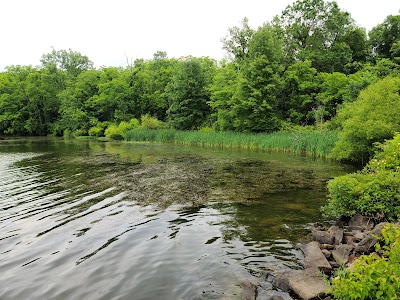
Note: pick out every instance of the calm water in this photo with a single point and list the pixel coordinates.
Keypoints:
(82, 220)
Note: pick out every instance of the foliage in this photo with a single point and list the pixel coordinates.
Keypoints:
(373, 277)
(300, 69)
(384, 37)
(255, 100)
(70, 61)
(189, 94)
(321, 32)
(373, 192)
(117, 132)
(372, 118)
(148, 122)
(236, 43)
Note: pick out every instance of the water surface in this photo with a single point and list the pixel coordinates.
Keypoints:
(89, 220)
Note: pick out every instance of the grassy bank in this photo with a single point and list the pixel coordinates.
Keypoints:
(315, 143)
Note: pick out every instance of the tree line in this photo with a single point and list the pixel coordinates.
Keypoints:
(299, 69)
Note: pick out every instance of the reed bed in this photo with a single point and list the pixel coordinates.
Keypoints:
(314, 143)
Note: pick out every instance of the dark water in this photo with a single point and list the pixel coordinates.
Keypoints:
(82, 220)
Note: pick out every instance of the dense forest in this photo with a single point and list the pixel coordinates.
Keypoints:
(307, 67)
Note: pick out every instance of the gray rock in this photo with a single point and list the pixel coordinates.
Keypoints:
(276, 297)
(337, 234)
(249, 291)
(323, 237)
(370, 240)
(361, 223)
(341, 253)
(280, 296)
(281, 280)
(314, 258)
(327, 253)
(308, 284)
(349, 239)
(359, 235)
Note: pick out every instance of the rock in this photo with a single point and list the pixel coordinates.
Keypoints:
(280, 296)
(308, 284)
(341, 253)
(337, 234)
(351, 261)
(314, 258)
(334, 264)
(359, 236)
(370, 240)
(348, 239)
(323, 237)
(326, 253)
(249, 291)
(281, 280)
(326, 246)
(361, 223)
(276, 297)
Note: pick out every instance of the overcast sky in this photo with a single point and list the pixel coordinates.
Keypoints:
(109, 31)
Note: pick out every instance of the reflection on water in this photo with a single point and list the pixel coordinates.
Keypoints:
(82, 220)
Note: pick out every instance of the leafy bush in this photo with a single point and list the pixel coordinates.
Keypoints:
(373, 277)
(373, 117)
(373, 192)
(149, 122)
(99, 129)
(117, 132)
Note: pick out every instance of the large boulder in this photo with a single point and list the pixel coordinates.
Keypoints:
(308, 284)
(365, 246)
(281, 280)
(323, 237)
(341, 253)
(314, 258)
(337, 234)
(359, 222)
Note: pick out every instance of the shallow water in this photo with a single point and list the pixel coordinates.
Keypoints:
(88, 220)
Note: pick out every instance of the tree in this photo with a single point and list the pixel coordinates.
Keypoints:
(259, 81)
(384, 36)
(373, 117)
(318, 31)
(237, 41)
(75, 113)
(14, 100)
(223, 88)
(70, 61)
(297, 97)
(188, 95)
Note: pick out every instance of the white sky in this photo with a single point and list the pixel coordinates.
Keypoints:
(109, 31)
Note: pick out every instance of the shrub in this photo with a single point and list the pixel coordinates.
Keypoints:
(373, 277)
(99, 129)
(373, 117)
(149, 122)
(373, 192)
(117, 132)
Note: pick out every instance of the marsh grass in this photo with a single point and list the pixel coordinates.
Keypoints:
(314, 143)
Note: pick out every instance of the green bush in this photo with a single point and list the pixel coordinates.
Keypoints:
(117, 132)
(373, 117)
(373, 277)
(99, 129)
(373, 192)
(149, 122)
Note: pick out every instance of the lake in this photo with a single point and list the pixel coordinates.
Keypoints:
(92, 220)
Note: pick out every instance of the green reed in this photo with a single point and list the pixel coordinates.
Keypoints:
(315, 143)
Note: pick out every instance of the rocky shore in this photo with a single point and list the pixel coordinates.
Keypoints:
(332, 247)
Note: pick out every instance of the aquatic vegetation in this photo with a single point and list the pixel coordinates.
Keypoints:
(314, 143)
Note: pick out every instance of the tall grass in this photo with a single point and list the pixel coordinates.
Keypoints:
(314, 143)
